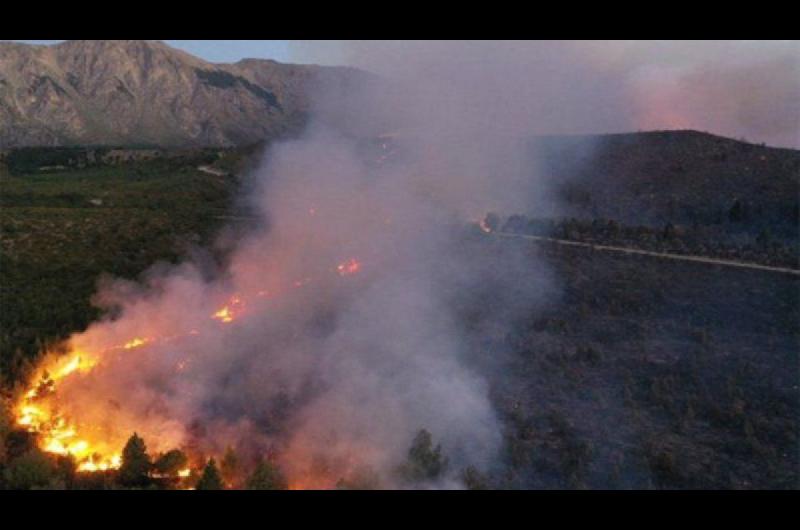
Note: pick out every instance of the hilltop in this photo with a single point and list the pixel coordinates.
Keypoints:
(134, 92)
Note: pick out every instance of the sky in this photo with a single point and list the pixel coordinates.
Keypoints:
(225, 51)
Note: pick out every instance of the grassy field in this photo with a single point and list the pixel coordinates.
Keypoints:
(59, 230)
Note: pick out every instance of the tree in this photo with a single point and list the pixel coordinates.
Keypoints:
(474, 479)
(171, 462)
(266, 476)
(30, 470)
(211, 479)
(135, 468)
(229, 467)
(424, 462)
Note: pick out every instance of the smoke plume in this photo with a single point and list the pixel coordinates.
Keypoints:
(747, 89)
(335, 329)
(332, 334)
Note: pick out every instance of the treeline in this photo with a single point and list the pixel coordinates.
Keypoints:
(28, 160)
(24, 466)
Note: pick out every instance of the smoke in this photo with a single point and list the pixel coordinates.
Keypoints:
(335, 330)
(333, 334)
(747, 89)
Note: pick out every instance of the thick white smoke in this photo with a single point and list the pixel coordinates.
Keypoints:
(747, 89)
(323, 363)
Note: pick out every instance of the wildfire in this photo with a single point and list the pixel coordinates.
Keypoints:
(230, 311)
(135, 343)
(350, 266)
(90, 465)
(37, 409)
(36, 413)
(76, 362)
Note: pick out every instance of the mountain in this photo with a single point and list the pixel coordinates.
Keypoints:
(133, 92)
(679, 177)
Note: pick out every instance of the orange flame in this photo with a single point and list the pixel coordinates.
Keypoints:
(135, 343)
(230, 311)
(37, 408)
(350, 266)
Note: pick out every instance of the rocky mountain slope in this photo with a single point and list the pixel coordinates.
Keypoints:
(145, 92)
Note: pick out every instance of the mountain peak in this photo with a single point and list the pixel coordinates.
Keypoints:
(144, 92)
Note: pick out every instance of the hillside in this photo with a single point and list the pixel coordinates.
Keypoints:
(678, 177)
(679, 192)
(637, 373)
(147, 93)
(643, 374)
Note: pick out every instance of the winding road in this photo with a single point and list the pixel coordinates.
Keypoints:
(601, 248)
(211, 171)
(664, 255)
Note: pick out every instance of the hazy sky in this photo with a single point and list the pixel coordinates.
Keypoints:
(225, 51)
(748, 89)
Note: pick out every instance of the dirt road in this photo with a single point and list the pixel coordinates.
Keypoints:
(664, 255)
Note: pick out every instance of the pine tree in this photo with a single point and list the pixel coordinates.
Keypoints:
(211, 479)
(267, 476)
(135, 468)
(474, 479)
(171, 462)
(424, 461)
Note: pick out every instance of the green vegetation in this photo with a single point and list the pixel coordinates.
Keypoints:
(136, 465)
(425, 462)
(211, 478)
(171, 462)
(60, 231)
(266, 476)
(32, 470)
(474, 479)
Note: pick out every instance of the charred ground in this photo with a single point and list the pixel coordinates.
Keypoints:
(648, 374)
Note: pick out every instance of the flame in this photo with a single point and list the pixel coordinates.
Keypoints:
(229, 312)
(37, 410)
(135, 343)
(224, 315)
(101, 465)
(77, 361)
(348, 267)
